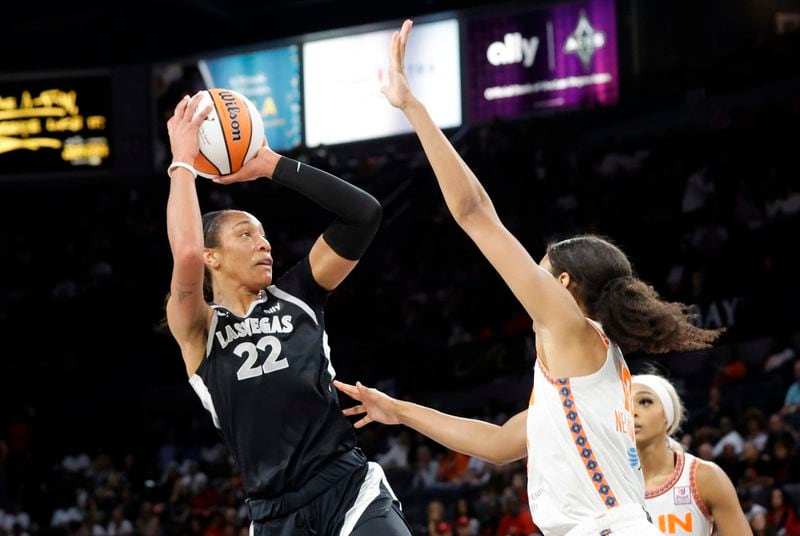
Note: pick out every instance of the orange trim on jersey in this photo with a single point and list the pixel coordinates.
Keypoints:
(527, 441)
(582, 444)
(528, 457)
(547, 376)
(671, 481)
(696, 492)
(599, 332)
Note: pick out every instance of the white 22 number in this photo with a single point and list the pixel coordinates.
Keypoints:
(272, 364)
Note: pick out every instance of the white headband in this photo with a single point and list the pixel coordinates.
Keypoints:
(655, 384)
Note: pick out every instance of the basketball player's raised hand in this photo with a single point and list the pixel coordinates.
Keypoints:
(183, 129)
(261, 165)
(398, 92)
(377, 406)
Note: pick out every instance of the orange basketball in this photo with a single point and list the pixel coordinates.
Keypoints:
(231, 134)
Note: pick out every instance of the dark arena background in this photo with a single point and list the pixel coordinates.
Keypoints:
(671, 127)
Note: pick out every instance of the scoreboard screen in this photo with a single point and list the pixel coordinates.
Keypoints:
(54, 124)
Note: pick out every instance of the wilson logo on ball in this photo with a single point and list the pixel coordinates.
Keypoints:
(233, 113)
(231, 135)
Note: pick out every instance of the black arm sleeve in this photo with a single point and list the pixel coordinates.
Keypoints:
(358, 213)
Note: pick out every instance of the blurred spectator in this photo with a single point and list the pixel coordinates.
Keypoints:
(791, 402)
(478, 472)
(778, 430)
(781, 354)
(615, 162)
(204, 499)
(118, 525)
(466, 523)
(783, 464)
(785, 206)
(216, 525)
(759, 525)
(706, 451)
(697, 192)
(735, 368)
(754, 428)
(729, 462)
(730, 437)
(705, 420)
(76, 463)
(397, 455)
(426, 468)
(147, 523)
(453, 467)
(519, 485)
(463, 527)
(62, 517)
(488, 509)
(750, 508)
(15, 519)
(746, 213)
(754, 469)
(782, 516)
(443, 528)
(435, 517)
(516, 521)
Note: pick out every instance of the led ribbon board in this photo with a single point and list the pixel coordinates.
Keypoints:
(54, 125)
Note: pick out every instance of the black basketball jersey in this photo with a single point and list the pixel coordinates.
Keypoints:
(266, 381)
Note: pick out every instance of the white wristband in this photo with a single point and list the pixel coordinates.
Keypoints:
(184, 165)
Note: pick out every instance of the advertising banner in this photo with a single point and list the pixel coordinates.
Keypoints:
(269, 78)
(558, 56)
(343, 76)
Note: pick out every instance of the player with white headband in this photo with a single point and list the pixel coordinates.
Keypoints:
(685, 495)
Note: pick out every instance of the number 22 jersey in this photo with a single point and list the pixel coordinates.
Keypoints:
(266, 382)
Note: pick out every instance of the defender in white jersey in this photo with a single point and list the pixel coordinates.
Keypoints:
(685, 495)
(585, 477)
(589, 462)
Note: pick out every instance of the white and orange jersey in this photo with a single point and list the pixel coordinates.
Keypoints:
(676, 506)
(582, 458)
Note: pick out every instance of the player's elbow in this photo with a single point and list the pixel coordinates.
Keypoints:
(188, 256)
(371, 211)
(466, 209)
(500, 452)
(473, 209)
(498, 459)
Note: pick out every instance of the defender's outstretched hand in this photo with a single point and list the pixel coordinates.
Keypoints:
(398, 92)
(378, 406)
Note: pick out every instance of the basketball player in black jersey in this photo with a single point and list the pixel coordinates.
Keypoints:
(258, 355)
